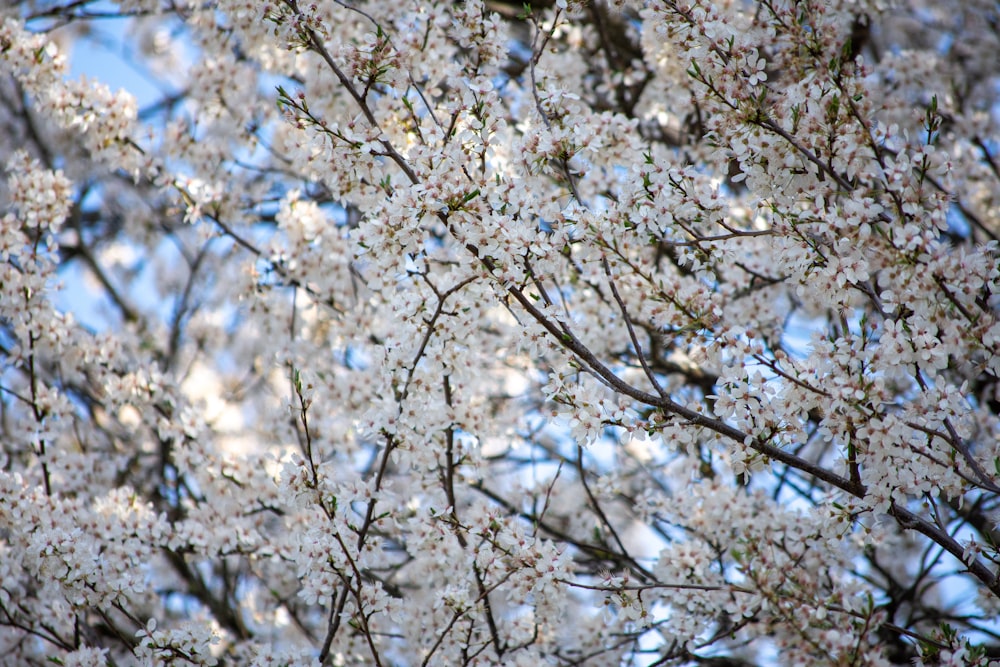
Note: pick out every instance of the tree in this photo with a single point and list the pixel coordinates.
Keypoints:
(413, 333)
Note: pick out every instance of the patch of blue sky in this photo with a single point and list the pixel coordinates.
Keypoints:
(798, 333)
(101, 48)
(958, 223)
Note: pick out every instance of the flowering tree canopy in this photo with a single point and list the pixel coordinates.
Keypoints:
(452, 333)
